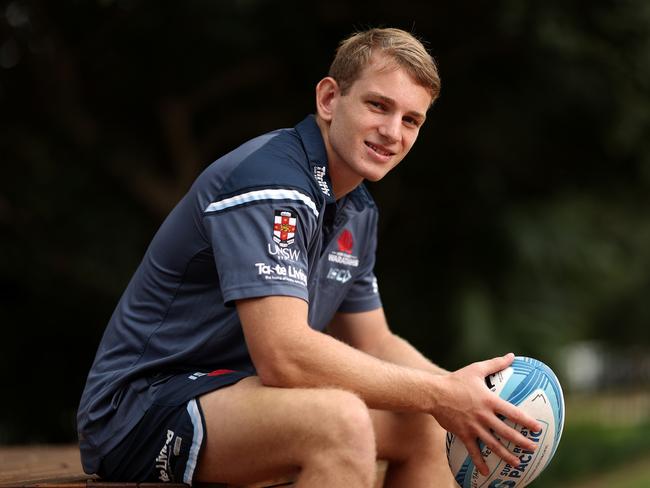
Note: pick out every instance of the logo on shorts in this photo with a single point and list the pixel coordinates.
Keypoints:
(216, 372)
(284, 227)
(162, 460)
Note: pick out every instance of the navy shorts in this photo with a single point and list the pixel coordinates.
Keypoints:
(164, 446)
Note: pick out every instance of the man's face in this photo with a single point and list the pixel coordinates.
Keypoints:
(375, 124)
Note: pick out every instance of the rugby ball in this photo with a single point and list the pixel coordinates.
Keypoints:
(533, 387)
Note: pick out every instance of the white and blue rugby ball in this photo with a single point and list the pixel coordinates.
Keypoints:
(533, 387)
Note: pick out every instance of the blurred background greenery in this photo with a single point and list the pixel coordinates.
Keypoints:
(519, 221)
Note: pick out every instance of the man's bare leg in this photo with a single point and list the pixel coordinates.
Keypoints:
(255, 432)
(414, 446)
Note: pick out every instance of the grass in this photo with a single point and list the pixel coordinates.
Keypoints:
(592, 450)
(630, 475)
(605, 440)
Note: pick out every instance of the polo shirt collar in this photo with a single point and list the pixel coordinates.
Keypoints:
(312, 141)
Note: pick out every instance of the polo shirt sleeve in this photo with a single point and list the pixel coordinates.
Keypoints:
(363, 294)
(260, 240)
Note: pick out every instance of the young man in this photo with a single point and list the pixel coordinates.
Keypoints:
(251, 341)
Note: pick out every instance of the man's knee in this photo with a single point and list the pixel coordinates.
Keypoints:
(344, 419)
(344, 435)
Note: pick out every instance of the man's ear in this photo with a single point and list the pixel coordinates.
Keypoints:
(327, 92)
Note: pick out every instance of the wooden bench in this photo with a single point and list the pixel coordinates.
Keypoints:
(47, 466)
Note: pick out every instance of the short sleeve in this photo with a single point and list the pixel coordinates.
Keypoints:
(362, 296)
(260, 245)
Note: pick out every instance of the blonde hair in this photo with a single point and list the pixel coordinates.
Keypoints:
(355, 53)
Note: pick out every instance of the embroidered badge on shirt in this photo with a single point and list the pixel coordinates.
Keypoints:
(284, 227)
(344, 256)
(345, 241)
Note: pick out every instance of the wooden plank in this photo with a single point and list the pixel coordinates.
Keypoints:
(29, 465)
(53, 466)
(59, 466)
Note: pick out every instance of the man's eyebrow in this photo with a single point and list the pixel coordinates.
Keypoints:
(391, 102)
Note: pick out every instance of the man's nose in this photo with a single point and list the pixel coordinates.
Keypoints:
(390, 128)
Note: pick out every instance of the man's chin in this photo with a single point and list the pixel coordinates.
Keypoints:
(374, 178)
(376, 174)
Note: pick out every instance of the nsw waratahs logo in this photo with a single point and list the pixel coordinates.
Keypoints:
(346, 241)
(284, 227)
(344, 256)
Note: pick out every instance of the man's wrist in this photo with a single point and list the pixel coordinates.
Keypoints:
(435, 389)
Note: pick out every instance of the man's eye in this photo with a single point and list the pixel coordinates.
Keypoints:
(411, 121)
(377, 105)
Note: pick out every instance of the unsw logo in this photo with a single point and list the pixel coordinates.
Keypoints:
(283, 253)
(284, 227)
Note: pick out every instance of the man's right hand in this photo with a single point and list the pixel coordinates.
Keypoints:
(466, 407)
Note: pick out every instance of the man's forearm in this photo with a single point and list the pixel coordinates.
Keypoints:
(288, 353)
(320, 360)
(396, 350)
(382, 384)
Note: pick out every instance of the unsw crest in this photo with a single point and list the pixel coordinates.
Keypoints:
(284, 227)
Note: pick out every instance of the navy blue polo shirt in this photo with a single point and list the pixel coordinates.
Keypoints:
(260, 221)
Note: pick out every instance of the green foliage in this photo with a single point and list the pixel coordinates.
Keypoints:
(588, 451)
(535, 194)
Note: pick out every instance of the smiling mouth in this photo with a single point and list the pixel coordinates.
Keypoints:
(378, 150)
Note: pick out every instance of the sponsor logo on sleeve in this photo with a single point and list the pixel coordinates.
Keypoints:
(284, 227)
(279, 272)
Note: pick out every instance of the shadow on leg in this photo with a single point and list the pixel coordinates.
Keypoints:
(414, 445)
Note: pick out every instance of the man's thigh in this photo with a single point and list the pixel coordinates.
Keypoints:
(255, 432)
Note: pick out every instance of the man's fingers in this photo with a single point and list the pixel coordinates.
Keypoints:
(491, 429)
(504, 431)
(497, 364)
(477, 457)
(499, 449)
(517, 416)
(495, 446)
